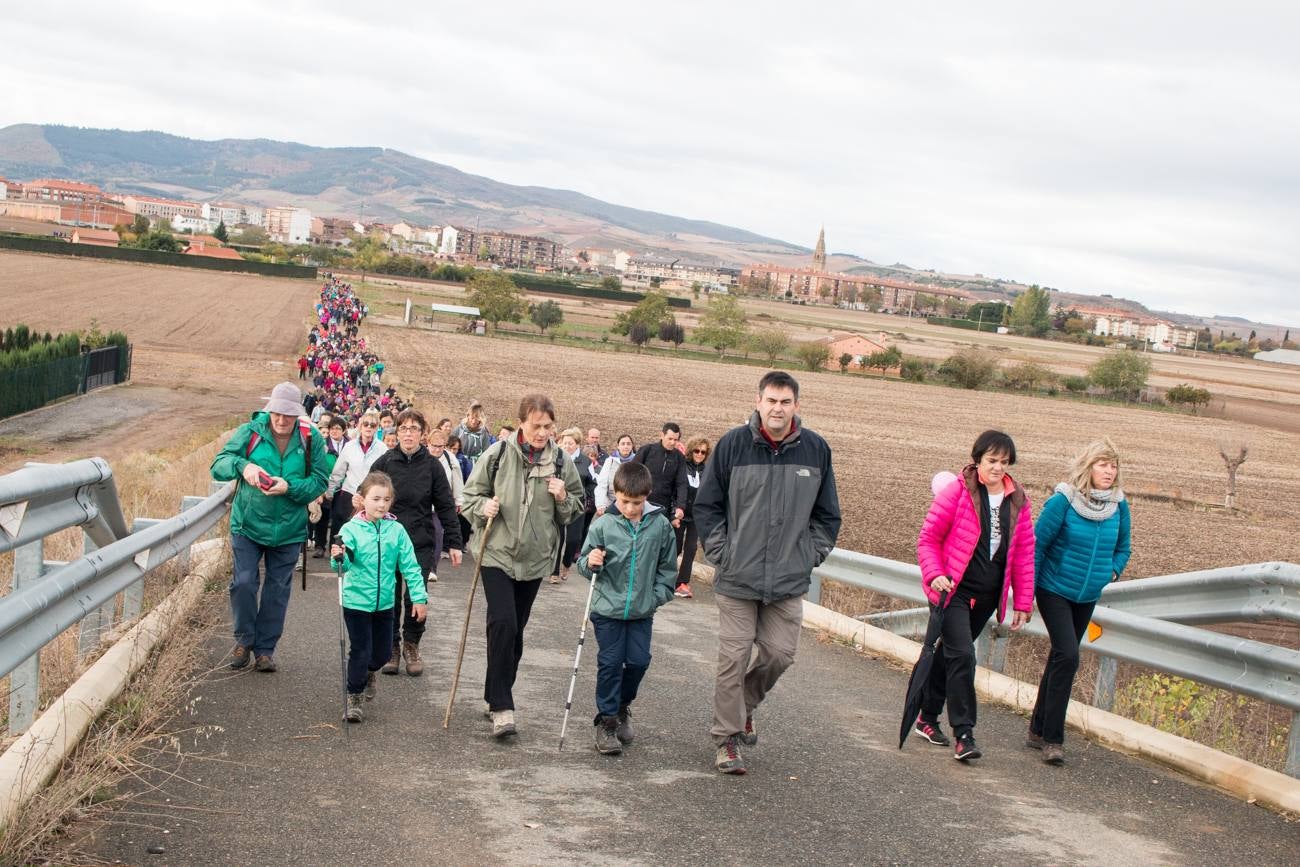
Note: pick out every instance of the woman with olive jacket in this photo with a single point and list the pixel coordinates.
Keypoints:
(531, 491)
(1082, 544)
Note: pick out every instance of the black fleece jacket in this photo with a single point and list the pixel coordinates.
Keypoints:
(421, 488)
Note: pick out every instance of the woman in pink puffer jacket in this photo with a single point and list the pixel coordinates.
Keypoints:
(976, 546)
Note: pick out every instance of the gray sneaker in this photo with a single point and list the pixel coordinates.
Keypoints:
(624, 731)
(607, 739)
(355, 713)
(749, 736)
(503, 723)
(729, 760)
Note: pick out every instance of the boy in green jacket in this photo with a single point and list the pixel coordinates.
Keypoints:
(631, 554)
(374, 547)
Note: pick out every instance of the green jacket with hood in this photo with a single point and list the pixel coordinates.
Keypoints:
(376, 552)
(272, 521)
(527, 532)
(640, 563)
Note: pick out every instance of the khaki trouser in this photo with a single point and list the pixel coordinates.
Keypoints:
(745, 625)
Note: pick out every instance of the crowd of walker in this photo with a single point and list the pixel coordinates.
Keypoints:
(354, 471)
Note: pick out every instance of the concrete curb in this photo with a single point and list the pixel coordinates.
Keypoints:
(1248, 781)
(34, 759)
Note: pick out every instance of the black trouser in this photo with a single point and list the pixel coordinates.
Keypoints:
(464, 532)
(509, 602)
(340, 512)
(405, 626)
(687, 539)
(568, 552)
(952, 678)
(1066, 623)
(368, 647)
(319, 532)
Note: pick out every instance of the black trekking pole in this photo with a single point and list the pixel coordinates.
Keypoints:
(577, 658)
(343, 655)
(304, 565)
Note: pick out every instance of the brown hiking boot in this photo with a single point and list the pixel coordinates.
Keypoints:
(414, 664)
(1033, 741)
(240, 657)
(265, 664)
(394, 662)
(1053, 754)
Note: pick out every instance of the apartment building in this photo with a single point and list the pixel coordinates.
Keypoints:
(166, 209)
(809, 283)
(61, 190)
(504, 248)
(288, 225)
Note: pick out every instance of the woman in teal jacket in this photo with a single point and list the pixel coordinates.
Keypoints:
(373, 547)
(1082, 544)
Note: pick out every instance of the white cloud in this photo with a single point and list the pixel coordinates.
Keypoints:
(1143, 151)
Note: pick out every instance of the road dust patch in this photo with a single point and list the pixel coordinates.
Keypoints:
(1070, 836)
(547, 814)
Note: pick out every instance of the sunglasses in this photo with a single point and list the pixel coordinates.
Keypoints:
(699, 451)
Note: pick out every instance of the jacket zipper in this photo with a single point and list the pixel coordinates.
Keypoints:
(379, 567)
(631, 569)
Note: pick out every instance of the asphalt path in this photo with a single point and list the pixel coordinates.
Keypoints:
(263, 774)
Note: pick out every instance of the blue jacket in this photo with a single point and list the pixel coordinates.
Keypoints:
(1075, 557)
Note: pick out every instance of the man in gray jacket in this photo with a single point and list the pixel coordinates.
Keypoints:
(767, 513)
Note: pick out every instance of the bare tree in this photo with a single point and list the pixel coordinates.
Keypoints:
(1232, 463)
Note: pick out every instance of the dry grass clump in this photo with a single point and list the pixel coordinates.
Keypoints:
(122, 744)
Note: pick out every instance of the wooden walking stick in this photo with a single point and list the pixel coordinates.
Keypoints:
(464, 630)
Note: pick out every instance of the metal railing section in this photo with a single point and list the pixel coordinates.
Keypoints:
(50, 596)
(1144, 621)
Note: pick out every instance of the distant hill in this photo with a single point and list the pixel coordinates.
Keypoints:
(389, 184)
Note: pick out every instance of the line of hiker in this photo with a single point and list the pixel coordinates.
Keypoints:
(762, 503)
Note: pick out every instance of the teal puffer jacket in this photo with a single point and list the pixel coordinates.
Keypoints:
(1076, 557)
(640, 564)
(378, 550)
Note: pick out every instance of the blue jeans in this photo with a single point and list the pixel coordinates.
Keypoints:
(259, 625)
(621, 662)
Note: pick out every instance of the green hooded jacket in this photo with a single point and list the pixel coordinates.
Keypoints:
(378, 550)
(272, 521)
(527, 533)
(640, 564)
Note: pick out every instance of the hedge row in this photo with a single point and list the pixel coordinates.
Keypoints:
(32, 244)
(537, 283)
(968, 324)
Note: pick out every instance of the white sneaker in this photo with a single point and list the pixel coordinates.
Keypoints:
(503, 723)
(433, 576)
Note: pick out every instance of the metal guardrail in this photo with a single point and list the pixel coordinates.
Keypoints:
(50, 596)
(1144, 621)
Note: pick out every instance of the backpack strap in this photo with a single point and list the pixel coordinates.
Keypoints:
(304, 434)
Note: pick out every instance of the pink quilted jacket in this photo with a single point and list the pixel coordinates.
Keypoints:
(952, 530)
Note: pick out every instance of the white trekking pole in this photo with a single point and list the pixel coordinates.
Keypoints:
(577, 658)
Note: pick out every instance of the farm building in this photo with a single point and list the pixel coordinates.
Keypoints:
(95, 237)
(1279, 356)
(854, 344)
(213, 251)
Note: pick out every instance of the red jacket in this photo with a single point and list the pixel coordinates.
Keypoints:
(952, 530)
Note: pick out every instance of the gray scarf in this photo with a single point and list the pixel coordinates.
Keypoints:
(1096, 506)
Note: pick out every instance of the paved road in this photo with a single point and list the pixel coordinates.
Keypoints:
(268, 779)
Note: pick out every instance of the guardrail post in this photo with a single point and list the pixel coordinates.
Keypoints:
(1103, 694)
(991, 650)
(1293, 746)
(133, 596)
(96, 622)
(184, 557)
(25, 680)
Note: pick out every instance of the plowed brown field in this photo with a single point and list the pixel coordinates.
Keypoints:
(208, 345)
(890, 438)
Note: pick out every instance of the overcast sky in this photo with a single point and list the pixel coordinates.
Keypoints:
(1147, 150)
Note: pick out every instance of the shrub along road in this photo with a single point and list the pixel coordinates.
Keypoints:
(264, 776)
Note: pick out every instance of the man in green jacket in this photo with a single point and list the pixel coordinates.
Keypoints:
(280, 462)
(531, 491)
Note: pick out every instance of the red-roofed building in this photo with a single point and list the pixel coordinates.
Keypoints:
(855, 345)
(60, 190)
(201, 248)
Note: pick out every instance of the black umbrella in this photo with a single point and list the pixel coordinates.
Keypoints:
(921, 671)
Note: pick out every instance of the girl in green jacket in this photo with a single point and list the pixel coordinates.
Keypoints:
(373, 547)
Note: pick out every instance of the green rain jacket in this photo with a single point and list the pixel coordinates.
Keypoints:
(375, 552)
(640, 563)
(272, 521)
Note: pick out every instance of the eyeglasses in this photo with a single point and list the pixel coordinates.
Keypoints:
(368, 424)
(699, 451)
(410, 428)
